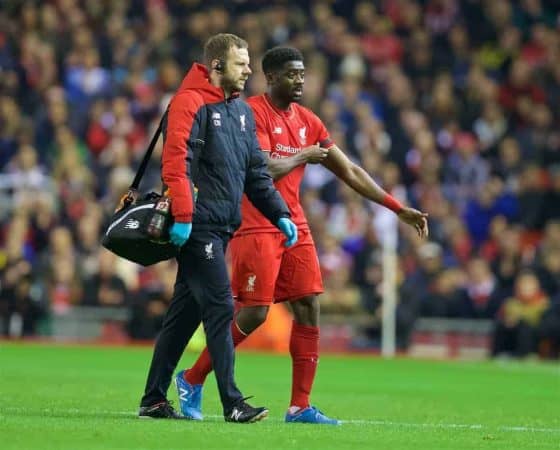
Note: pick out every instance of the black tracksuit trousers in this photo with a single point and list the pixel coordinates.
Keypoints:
(202, 292)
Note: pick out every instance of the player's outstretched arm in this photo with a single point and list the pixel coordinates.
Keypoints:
(279, 167)
(359, 180)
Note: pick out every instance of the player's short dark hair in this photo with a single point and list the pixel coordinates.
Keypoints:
(275, 58)
(217, 47)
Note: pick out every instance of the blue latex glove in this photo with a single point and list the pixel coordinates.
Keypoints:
(289, 229)
(180, 232)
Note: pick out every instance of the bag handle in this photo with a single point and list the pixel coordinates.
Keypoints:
(147, 156)
(200, 141)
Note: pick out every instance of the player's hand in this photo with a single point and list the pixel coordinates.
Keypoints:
(315, 154)
(180, 232)
(416, 219)
(289, 229)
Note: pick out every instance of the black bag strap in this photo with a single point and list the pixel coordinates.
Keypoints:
(200, 141)
(147, 156)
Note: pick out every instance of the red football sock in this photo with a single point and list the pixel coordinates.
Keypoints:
(203, 366)
(304, 348)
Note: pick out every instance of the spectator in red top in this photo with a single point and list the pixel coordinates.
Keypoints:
(519, 92)
(535, 52)
(380, 45)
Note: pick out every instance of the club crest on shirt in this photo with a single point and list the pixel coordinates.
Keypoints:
(242, 120)
(251, 283)
(303, 135)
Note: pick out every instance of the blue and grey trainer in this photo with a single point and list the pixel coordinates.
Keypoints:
(190, 397)
(310, 415)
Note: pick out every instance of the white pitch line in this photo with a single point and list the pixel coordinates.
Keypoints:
(385, 423)
(378, 423)
(532, 429)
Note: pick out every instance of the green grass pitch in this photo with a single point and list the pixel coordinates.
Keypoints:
(68, 397)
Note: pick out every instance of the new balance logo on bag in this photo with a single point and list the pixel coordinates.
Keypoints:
(132, 224)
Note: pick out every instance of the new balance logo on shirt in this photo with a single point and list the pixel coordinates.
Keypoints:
(277, 130)
(216, 119)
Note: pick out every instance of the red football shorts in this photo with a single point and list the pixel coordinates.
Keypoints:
(265, 272)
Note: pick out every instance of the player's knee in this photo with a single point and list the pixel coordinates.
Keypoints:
(306, 310)
(259, 314)
(309, 304)
(250, 318)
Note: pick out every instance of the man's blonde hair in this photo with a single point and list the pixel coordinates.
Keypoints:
(217, 47)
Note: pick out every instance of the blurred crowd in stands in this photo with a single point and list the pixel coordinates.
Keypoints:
(451, 105)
